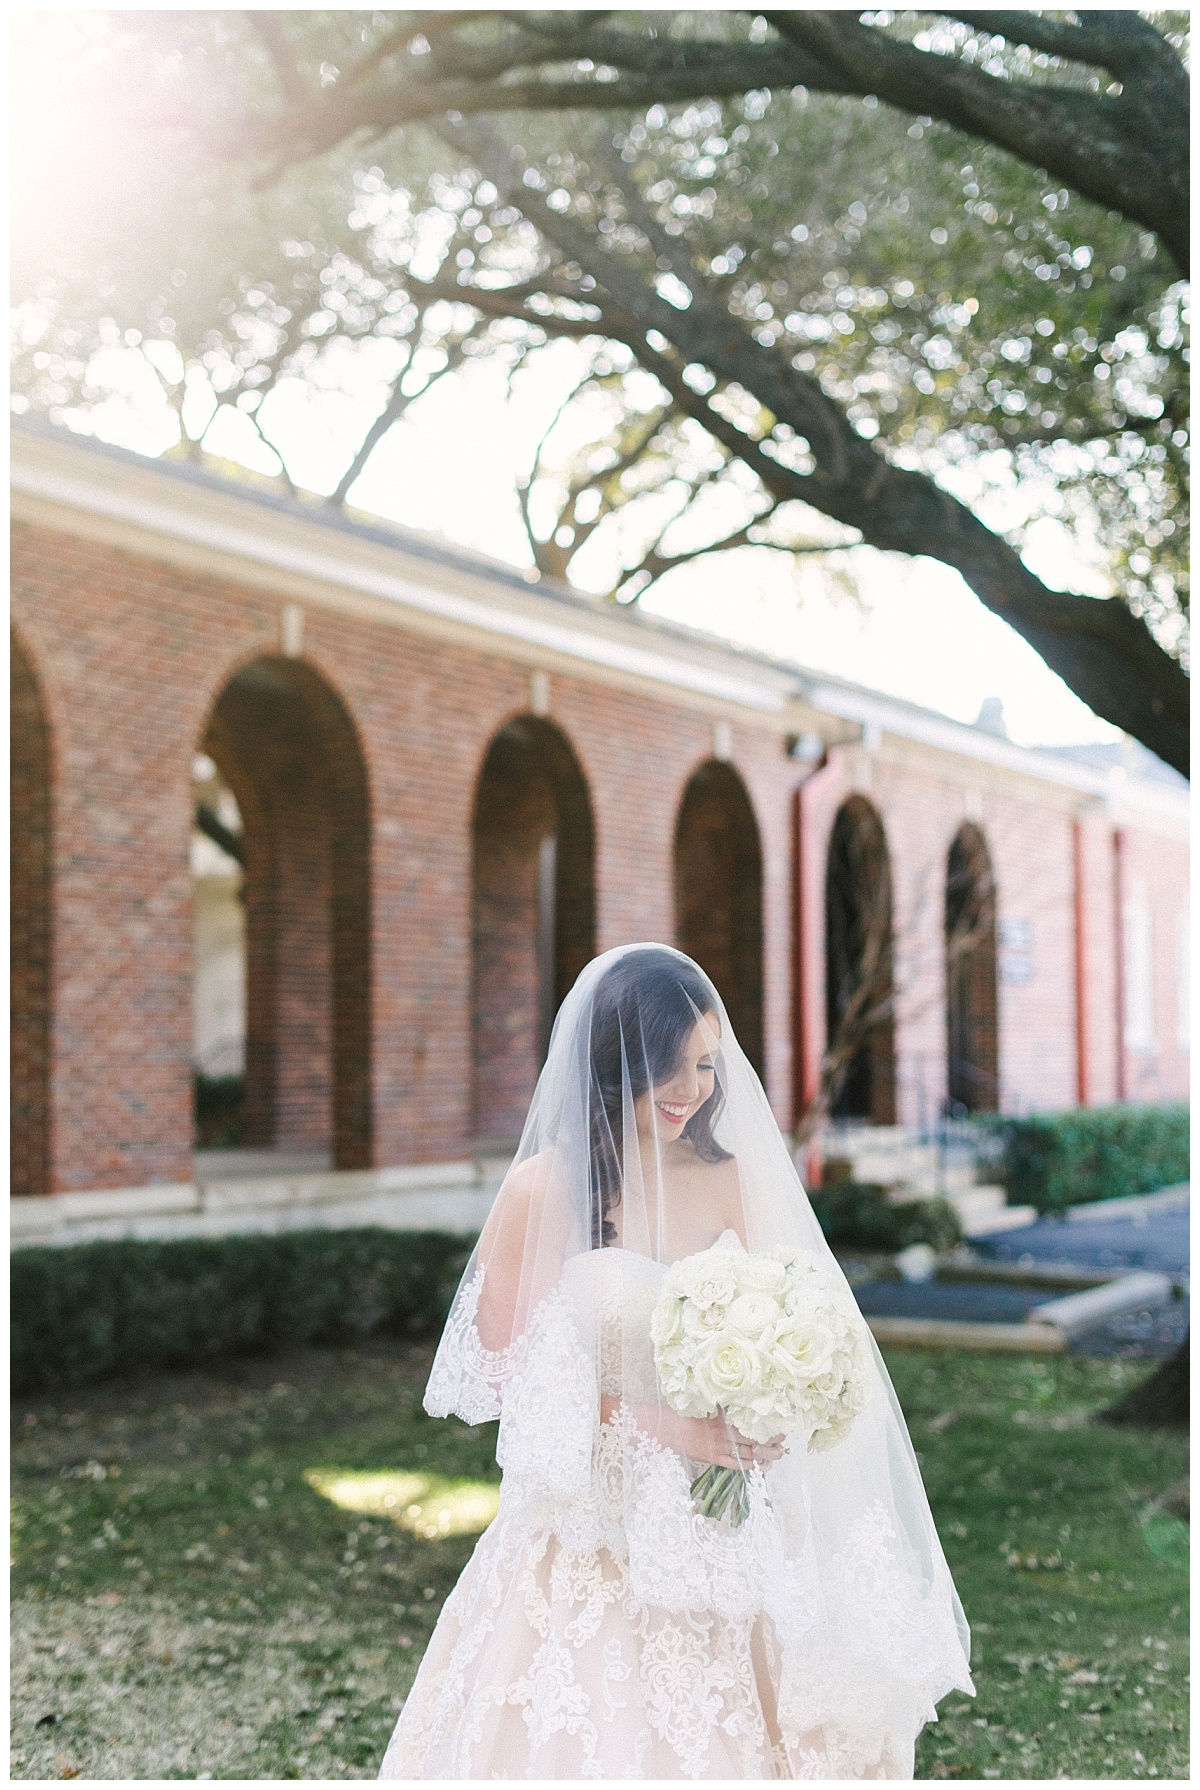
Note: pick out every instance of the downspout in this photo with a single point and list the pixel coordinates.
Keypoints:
(1082, 1066)
(806, 992)
(1119, 939)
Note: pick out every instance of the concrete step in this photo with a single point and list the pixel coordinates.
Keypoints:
(978, 1202)
(892, 1164)
(948, 1185)
(947, 1333)
(449, 1196)
(1079, 1311)
(1001, 1218)
(843, 1140)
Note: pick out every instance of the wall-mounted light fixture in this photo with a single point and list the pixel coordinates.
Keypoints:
(804, 748)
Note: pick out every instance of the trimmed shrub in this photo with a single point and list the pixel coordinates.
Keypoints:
(859, 1215)
(92, 1310)
(1056, 1160)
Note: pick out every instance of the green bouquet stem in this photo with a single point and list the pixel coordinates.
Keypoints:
(719, 1490)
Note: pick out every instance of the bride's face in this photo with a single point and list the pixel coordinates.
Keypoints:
(663, 1111)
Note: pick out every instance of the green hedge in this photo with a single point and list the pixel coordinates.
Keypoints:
(1055, 1160)
(94, 1309)
(859, 1215)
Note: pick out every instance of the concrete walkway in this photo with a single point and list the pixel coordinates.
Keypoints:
(1157, 1240)
(1154, 1236)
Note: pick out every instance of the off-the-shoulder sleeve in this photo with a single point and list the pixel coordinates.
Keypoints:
(467, 1380)
(543, 1388)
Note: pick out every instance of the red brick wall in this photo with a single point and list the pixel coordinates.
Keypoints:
(1150, 871)
(360, 801)
(1100, 959)
(143, 660)
(1028, 833)
(124, 682)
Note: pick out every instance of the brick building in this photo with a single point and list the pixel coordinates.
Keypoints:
(444, 787)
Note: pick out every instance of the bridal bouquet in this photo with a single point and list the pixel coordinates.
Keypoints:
(767, 1339)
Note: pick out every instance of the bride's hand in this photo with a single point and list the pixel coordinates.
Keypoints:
(710, 1439)
(714, 1440)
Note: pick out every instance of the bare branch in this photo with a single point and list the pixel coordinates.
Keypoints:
(513, 301)
(610, 476)
(394, 409)
(417, 95)
(388, 45)
(546, 563)
(215, 829)
(266, 27)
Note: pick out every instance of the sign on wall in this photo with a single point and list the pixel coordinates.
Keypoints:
(1016, 952)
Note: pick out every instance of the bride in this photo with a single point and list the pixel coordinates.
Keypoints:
(604, 1627)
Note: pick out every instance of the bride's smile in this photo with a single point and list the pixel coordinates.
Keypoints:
(663, 1111)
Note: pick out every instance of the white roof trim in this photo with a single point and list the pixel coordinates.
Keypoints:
(1115, 787)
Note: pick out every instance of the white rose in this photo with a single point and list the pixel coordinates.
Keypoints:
(804, 1343)
(703, 1320)
(677, 1380)
(761, 1273)
(704, 1279)
(689, 1398)
(806, 1286)
(728, 1369)
(752, 1312)
(827, 1436)
(667, 1323)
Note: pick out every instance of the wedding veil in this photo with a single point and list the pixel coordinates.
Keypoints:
(550, 1333)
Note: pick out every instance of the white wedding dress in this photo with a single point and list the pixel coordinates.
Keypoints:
(604, 1629)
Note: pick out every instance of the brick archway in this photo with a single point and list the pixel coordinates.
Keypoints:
(718, 896)
(31, 923)
(972, 1055)
(858, 962)
(286, 747)
(533, 917)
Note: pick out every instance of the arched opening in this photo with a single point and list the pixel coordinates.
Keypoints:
(860, 1030)
(30, 913)
(972, 1060)
(281, 862)
(718, 896)
(533, 913)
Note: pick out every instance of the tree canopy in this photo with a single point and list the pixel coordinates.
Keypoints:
(809, 318)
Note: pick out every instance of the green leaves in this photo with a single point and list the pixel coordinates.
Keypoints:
(257, 192)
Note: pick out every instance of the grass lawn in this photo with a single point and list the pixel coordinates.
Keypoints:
(233, 1574)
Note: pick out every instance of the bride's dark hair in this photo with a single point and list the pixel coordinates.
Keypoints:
(648, 1002)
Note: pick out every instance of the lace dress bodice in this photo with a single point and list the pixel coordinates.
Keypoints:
(613, 1293)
